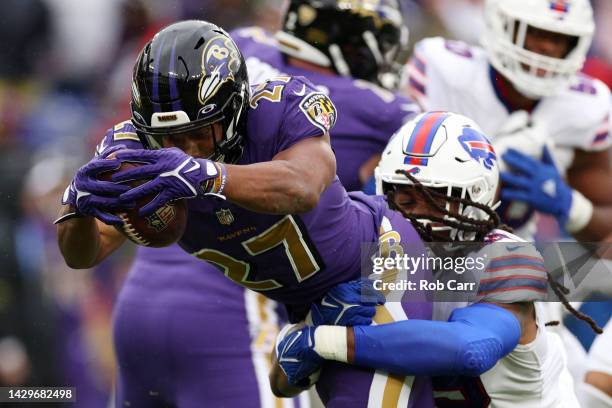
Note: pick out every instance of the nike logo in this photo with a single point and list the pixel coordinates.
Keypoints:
(102, 146)
(324, 302)
(302, 92)
(549, 187)
(512, 248)
(196, 165)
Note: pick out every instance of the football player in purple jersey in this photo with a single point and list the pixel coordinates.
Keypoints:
(356, 63)
(265, 205)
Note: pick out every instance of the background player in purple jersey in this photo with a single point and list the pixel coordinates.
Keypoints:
(355, 62)
(266, 207)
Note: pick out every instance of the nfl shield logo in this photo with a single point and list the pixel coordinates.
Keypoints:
(225, 216)
(161, 218)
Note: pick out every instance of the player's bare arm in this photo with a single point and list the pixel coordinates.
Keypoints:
(85, 234)
(525, 313)
(85, 241)
(600, 380)
(291, 183)
(591, 174)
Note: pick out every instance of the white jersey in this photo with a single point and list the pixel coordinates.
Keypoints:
(453, 76)
(533, 375)
(599, 360)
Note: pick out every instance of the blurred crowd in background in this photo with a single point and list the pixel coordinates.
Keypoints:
(65, 72)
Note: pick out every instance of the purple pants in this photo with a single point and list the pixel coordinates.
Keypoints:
(186, 336)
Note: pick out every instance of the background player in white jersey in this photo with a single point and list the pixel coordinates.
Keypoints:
(596, 391)
(437, 191)
(525, 91)
(523, 87)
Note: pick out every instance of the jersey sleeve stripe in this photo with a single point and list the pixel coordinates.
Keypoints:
(416, 86)
(419, 64)
(516, 288)
(513, 284)
(511, 277)
(516, 262)
(516, 266)
(415, 74)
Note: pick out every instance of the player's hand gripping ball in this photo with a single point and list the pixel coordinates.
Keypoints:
(163, 227)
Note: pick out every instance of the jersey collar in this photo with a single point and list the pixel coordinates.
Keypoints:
(501, 91)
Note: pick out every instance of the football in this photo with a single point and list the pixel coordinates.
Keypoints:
(162, 228)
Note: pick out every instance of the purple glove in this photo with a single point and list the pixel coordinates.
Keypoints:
(92, 197)
(174, 175)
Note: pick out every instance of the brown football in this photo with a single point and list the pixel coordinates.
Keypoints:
(162, 228)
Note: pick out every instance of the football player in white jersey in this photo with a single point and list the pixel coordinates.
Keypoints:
(548, 122)
(596, 391)
(460, 169)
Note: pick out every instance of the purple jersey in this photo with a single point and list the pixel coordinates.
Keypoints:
(319, 249)
(369, 115)
(295, 258)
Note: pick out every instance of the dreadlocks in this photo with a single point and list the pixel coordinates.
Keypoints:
(561, 291)
(467, 224)
(462, 223)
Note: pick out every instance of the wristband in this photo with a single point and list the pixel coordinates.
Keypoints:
(217, 185)
(580, 213)
(330, 343)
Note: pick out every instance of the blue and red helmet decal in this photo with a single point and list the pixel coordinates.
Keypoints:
(421, 140)
(478, 147)
(562, 6)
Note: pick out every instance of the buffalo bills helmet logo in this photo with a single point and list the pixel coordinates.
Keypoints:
(562, 6)
(478, 147)
(220, 61)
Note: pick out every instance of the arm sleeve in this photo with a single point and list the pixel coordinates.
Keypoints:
(470, 343)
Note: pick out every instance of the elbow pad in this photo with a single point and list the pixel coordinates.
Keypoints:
(496, 334)
(470, 343)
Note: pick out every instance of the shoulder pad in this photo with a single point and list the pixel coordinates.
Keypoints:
(445, 61)
(582, 112)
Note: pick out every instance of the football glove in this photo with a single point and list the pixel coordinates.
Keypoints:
(296, 356)
(537, 183)
(89, 196)
(347, 304)
(174, 175)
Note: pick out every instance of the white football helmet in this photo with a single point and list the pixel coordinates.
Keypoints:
(443, 150)
(504, 39)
